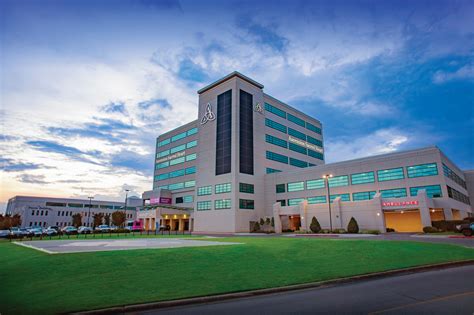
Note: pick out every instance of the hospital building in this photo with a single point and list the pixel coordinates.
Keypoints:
(249, 155)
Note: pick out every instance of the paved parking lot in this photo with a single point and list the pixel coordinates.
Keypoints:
(79, 246)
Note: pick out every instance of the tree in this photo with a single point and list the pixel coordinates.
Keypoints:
(261, 221)
(118, 218)
(98, 219)
(353, 227)
(267, 221)
(8, 221)
(77, 220)
(107, 219)
(315, 227)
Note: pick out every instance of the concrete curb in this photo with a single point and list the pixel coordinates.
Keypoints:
(244, 294)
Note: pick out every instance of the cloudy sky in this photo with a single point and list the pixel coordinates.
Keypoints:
(86, 86)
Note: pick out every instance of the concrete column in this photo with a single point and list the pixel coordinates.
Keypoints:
(424, 208)
(336, 214)
(304, 214)
(181, 225)
(276, 216)
(448, 213)
(379, 219)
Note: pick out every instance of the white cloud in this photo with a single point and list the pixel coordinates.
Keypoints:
(464, 73)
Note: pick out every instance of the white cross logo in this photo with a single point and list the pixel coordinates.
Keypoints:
(258, 108)
(209, 115)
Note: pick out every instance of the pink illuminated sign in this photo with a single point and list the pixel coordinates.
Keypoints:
(400, 203)
(161, 200)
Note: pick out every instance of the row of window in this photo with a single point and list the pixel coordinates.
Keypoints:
(177, 173)
(270, 170)
(81, 205)
(455, 177)
(284, 159)
(457, 195)
(432, 191)
(176, 149)
(429, 169)
(293, 147)
(177, 137)
(184, 199)
(218, 204)
(181, 185)
(274, 110)
(182, 159)
(218, 188)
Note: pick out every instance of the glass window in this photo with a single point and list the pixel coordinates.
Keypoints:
(178, 148)
(75, 205)
(163, 153)
(459, 196)
(203, 205)
(162, 165)
(314, 141)
(246, 133)
(191, 144)
(282, 202)
(280, 188)
(178, 137)
(246, 188)
(296, 134)
(163, 187)
(295, 201)
(316, 199)
(188, 199)
(390, 174)
(315, 184)
(344, 197)
(190, 170)
(162, 176)
(274, 110)
(313, 128)
(296, 186)
(272, 170)
(315, 154)
(223, 188)
(432, 191)
(178, 200)
(177, 161)
(296, 120)
(297, 148)
(246, 204)
(298, 163)
(429, 169)
(205, 190)
(394, 193)
(191, 157)
(273, 124)
(362, 178)
(364, 195)
(224, 133)
(176, 173)
(338, 181)
(222, 204)
(277, 157)
(176, 186)
(276, 141)
(190, 183)
(164, 142)
(191, 132)
(453, 176)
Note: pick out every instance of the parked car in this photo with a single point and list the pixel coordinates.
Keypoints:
(165, 228)
(103, 228)
(85, 230)
(37, 231)
(69, 230)
(19, 232)
(50, 231)
(467, 229)
(54, 227)
(4, 233)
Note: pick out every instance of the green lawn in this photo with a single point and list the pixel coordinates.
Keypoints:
(37, 283)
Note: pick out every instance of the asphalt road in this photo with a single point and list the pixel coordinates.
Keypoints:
(446, 291)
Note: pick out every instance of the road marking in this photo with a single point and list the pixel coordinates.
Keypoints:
(423, 302)
(34, 247)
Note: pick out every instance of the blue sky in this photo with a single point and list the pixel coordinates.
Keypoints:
(86, 86)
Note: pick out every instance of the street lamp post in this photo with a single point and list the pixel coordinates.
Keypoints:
(326, 177)
(125, 207)
(90, 204)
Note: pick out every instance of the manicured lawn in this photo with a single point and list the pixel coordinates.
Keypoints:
(37, 283)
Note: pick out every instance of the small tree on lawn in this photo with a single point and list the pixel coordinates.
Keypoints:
(315, 227)
(261, 221)
(77, 220)
(353, 227)
(267, 221)
(118, 218)
(98, 217)
(107, 219)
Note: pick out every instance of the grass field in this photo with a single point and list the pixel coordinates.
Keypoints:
(37, 283)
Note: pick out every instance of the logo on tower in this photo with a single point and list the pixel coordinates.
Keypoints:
(209, 115)
(258, 108)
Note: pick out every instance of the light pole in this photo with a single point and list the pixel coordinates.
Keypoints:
(125, 207)
(90, 204)
(326, 178)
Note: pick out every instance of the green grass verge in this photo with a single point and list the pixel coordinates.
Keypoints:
(105, 236)
(37, 283)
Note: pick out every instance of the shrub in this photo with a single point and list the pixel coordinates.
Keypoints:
(430, 229)
(287, 231)
(121, 230)
(447, 225)
(261, 221)
(390, 230)
(353, 227)
(267, 221)
(324, 231)
(339, 231)
(469, 219)
(315, 227)
(254, 227)
(375, 232)
(273, 222)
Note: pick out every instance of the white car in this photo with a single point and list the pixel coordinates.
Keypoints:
(103, 228)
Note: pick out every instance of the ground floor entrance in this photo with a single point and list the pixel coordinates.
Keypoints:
(403, 220)
(294, 222)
